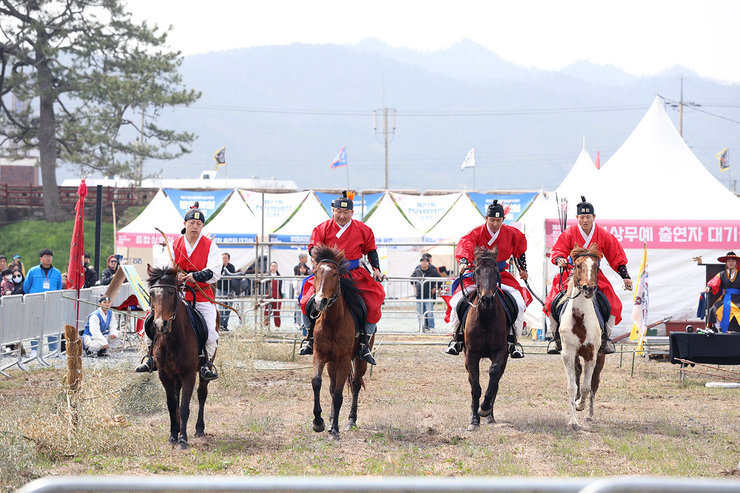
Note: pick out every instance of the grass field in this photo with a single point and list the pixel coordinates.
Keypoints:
(412, 421)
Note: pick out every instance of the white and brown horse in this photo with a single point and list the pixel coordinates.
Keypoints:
(580, 333)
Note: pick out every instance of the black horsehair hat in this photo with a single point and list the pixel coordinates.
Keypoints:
(584, 207)
(194, 213)
(343, 202)
(495, 210)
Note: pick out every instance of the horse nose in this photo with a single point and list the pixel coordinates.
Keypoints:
(589, 291)
(323, 303)
(161, 325)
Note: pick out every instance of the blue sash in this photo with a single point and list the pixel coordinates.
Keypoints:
(353, 264)
(727, 308)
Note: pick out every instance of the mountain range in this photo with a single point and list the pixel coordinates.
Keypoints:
(286, 111)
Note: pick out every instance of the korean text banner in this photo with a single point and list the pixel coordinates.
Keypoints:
(208, 200)
(514, 204)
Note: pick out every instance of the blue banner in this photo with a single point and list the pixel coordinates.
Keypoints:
(302, 240)
(514, 204)
(371, 199)
(209, 201)
(233, 239)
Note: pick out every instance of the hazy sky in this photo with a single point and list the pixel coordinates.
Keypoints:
(640, 36)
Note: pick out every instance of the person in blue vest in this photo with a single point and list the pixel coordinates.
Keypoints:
(100, 330)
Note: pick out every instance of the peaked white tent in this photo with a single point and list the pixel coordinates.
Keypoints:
(278, 207)
(232, 227)
(389, 224)
(461, 217)
(424, 211)
(299, 226)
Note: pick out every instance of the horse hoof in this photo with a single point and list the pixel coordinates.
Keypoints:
(172, 440)
(589, 419)
(473, 427)
(490, 420)
(485, 412)
(199, 434)
(334, 434)
(319, 427)
(183, 445)
(351, 425)
(580, 407)
(573, 426)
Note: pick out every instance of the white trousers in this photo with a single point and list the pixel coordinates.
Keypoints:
(208, 310)
(518, 323)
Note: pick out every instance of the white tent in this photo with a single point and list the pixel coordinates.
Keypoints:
(278, 207)
(462, 216)
(424, 211)
(232, 227)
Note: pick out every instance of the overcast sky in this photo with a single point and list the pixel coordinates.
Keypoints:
(640, 36)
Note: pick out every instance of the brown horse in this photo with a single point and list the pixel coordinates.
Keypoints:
(580, 333)
(175, 352)
(335, 341)
(485, 335)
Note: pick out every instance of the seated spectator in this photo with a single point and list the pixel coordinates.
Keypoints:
(110, 270)
(17, 280)
(41, 278)
(6, 283)
(100, 330)
(91, 277)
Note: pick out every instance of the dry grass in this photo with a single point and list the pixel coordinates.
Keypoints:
(412, 420)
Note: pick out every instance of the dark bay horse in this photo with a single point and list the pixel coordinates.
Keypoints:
(485, 335)
(175, 352)
(335, 342)
(580, 333)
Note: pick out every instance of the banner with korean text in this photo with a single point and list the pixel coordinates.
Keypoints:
(661, 234)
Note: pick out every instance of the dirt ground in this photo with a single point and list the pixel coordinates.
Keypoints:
(412, 420)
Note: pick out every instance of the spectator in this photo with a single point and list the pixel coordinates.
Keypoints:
(19, 263)
(443, 271)
(426, 291)
(110, 270)
(17, 280)
(3, 262)
(64, 280)
(224, 288)
(302, 262)
(91, 277)
(41, 278)
(6, 283)
(274, 290)
(100, 330)
(303, 272)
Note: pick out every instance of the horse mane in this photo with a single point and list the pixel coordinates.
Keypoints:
(592, 250)
(485, 257)
(157, 274)
(323, 252)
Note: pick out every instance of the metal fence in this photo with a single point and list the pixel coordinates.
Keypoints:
(391, 485)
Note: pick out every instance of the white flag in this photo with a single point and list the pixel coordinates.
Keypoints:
(469, 160)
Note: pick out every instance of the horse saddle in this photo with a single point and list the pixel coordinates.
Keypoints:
(197, 322)
(602, 307)
(507, 300)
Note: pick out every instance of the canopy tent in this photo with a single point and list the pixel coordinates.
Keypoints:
(424, 211)
(515, 204)
(278, 207)
(652, 191)
(209, 201)
(232, 227)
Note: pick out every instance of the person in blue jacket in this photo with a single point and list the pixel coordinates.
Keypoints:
(41, 278)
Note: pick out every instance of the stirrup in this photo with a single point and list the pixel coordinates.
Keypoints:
(306, 348)
(363, 350)
(208, 373)
(454, 347)
(516, 351)
(147, 365)
(554, 347)
(607, 346)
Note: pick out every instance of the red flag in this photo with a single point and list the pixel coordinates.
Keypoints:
(75, 272)
(598, 160)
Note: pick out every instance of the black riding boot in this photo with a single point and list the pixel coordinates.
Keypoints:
(207, 370)
(554, 346)
(147, 362)
(456, 344)
(607, 345)
(516, 351)
(307, 343)
(363, 349)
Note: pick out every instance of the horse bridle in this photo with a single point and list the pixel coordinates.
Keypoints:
(177, 298)
(575, 280)
(333, 297)
(465, 296)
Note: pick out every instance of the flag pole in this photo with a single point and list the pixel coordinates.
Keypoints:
(347, 170)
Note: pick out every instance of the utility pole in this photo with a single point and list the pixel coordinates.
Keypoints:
(387, 132)
(681, 103)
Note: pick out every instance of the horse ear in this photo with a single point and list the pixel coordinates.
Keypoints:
(149, 269)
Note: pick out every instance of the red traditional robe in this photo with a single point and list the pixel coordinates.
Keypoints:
(356, 241)
(510, 241)
(197, 261)
(613, 253)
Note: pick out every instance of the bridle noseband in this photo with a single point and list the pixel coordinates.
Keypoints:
(577, 284)
(316, 311)
(495, 291)
(177, 298)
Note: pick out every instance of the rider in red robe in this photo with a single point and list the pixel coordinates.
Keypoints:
(356, 239)
(511, 243)
(585, 234)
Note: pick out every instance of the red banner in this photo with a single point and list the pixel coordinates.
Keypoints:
(662, 234)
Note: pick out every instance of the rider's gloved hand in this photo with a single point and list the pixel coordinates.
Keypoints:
(463, 264)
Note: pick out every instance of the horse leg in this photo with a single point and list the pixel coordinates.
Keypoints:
(495, 372)
(200, 425)
(472, 364)
(172, 393)
(360, 366)
(338, 374)
(318, 369)
(595, 379)
(570, 360)
(188, 385)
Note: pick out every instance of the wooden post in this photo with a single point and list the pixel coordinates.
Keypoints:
(74, 358)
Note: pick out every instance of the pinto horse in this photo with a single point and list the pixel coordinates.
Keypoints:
(485, 333)
(335, 342)
(580, 333)
(175, 352)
